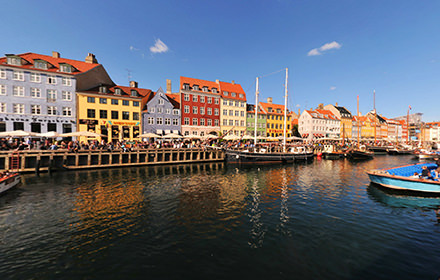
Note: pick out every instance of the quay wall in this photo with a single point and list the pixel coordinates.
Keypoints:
(37, 161)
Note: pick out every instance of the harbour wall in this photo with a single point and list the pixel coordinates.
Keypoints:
(41, 161)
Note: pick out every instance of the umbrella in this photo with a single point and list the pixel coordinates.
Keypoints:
(17, 133)
(231, 137)
(81, 133)
(149, 135)
(192, 137)
(248, 137)
(272, 139)
(294, 138)
(172, 135)
(50, 134)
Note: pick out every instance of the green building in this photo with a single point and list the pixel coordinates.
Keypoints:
(250, 121)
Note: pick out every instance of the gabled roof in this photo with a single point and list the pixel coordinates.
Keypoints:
(30, 58)
(252, 110)
(125, 91)
(322, 114)
(232, 87)
(274, 107)
(200, 83)
(343, 110)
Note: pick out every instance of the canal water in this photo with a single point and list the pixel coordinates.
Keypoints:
(317, 220)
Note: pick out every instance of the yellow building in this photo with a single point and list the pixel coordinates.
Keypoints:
(112, 111)
(233, 109)
(275, 119)
(346, 119)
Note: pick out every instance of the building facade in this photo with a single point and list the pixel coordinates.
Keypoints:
(250, 121)
(37, 92)
(200, 107)
(318, 123)
(345, 116)
(232, 108)
(113, 111)
(161, 114)
(275, 119)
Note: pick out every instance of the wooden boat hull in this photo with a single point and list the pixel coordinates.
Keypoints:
(377, 150)
(10, 182)
(233, 156)
(399, 179)
(359, 155)
(397, 152)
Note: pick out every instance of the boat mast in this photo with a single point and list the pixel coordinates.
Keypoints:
(358, 121)
(285, 112)
(375, 115)
(256, 114)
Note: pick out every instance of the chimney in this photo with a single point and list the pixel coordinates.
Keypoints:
(299, 112)
(269, 100)
(55, 54)
(336, 104)
(133, 84)
(168, 86)
(91, 58)
(233, 82)
(321, 106)
(217, 81)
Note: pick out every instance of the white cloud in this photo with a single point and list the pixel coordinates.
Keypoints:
(159, 47)
(332, 88)
(133, 48)
(323, 48)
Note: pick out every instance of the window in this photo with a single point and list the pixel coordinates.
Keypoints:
(35, 77)
(231, 122)
(35, 109)
(159, 121)
(216, 111)
(168, 111)
(2, 74)
(115, 115)
(209, 111)
(241, 95)
(233, 94)
(209, 122)
(133, 92)
(209, 100)
(205, 89)
(2, 90)
(51, 95)
(231, 102)
(51, 110)
(195, 109)
(186, 109)
(161, 102)
(66, 81)
(195, 121)
(90, 99)
(225, 112)
(214, 90)
(195, 98)
(215, 122)
(91, 113)
(241, 123)
(237, 113)
(167, 121)
(135, 116)
(225, 93)
(18, 76)
(202, 110)
(241, 113)
(202, 99)
(175, 121)
(217, 101)
(18, 108)
(125, 115)
(65, 68)
(18, 91)
(135, 103)
(67, 111)
(231, 112)
(102, 114)
(51, 80)
(202, 122)
(125, 102)
(40, 64)
(2, 107)
(225, 102)
(225, 122)
(186, 121)
(152, 110)
(102, 100)
(186, 87)
(115, 102)
(66, 95)
(186, 97)
(118, 91)
(196, 87)
(150, 120)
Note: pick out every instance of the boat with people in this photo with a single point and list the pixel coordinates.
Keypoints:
(8, 181)
(331, 151)
(260, 154)
(408, 178)
(426, 154)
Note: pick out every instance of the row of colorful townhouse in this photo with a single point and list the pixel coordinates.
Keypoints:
(333, 121)
(41, 93)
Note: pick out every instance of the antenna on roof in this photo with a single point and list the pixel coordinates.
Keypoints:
(128, 74)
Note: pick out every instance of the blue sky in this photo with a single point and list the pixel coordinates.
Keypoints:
(335, 50)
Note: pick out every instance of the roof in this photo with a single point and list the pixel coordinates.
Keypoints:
(126, 91)
(200, 83)
(322, 114)
(232, 87)
(250, 108)
(343, 110)
(30, 58)
(266, 107)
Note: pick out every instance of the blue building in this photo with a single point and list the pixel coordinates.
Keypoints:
(161, 114)
(37, 92)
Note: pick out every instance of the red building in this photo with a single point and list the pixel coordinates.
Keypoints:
(200, 106)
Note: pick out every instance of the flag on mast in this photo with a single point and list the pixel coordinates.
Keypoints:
(409, 107)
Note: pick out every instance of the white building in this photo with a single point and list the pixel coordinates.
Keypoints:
(319, 123)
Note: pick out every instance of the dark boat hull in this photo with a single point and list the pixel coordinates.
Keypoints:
(233, 156)
(359, 155)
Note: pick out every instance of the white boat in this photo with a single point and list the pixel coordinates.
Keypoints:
(9, 181)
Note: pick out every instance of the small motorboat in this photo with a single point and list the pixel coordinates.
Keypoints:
(403, 178)
(9, 181)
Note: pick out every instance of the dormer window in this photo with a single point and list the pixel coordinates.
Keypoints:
(278, 111)
(269, 110)
(118, 91)
(66, 68)
(196, 87)
(186, 86)
(233, 94)
(225, 93)
(40, 64)
(205, 89)
(241, 95)
(134, 93)
(214, 90)
(14, 60)
(102, 89)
